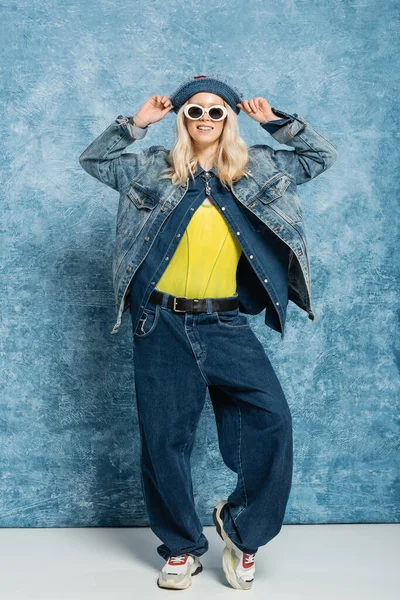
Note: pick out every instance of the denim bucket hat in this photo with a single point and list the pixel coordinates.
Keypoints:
(206, 83)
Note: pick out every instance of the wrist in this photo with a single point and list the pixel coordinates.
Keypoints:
(138, 123)
(271, 117)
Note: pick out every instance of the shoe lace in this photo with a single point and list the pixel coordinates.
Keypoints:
(177, 558)
(248, 558)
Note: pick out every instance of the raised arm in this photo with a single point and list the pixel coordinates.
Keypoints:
(104, 158)
(313, 154)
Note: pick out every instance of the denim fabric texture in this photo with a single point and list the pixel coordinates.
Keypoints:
(270, 193)
(206, 83)
(262, 272)
(177, 356)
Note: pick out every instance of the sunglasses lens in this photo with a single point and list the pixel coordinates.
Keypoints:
(195, 112)
(216, 114)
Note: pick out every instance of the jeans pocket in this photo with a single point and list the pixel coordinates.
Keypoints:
(147, 322)
(232, 318)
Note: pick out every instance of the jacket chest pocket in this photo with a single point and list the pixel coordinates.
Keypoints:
(274, 188)
(282, 198)
(135, 208)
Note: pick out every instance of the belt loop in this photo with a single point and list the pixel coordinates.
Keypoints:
(209, 305)
(164, 299)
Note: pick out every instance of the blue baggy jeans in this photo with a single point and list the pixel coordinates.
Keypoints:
(177, 356)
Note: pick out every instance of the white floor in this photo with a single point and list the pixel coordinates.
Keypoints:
(323, 562)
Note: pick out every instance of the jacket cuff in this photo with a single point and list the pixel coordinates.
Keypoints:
(288, 126)
(130, 130)
(275, 124)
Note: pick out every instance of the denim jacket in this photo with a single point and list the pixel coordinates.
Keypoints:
(269, 193)
(262, 270)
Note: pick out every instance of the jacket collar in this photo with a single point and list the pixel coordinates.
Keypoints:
(200, 170)
(246, 189)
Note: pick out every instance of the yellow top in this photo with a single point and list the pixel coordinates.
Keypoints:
(205, 260)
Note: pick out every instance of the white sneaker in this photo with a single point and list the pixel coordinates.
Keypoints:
(178, 570)
(239, 567)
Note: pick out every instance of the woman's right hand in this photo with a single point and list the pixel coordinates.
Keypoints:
(153, 110)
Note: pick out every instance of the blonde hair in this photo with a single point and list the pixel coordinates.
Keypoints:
(230, 160)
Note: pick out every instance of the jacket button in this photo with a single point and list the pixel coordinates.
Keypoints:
(277, 303)
(147, 238)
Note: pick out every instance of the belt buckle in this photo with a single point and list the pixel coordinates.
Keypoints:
(174, 304)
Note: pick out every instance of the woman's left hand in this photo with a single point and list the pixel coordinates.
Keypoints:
(258, 109)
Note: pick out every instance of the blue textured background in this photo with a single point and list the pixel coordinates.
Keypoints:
(69, 445)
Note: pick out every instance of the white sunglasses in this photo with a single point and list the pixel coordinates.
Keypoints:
(195, 112)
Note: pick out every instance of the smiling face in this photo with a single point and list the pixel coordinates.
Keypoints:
(214, 128)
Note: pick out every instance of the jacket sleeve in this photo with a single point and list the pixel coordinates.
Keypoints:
(104, 158)
(272, 126)
(313, 154)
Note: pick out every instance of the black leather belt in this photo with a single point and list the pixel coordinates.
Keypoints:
(195, 305)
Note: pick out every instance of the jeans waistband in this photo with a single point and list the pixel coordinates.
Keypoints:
(182, 304)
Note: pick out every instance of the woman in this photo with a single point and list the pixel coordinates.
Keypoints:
(206, 236)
